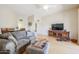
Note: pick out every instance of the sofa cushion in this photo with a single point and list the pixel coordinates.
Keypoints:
(11, 47)
(3, 43)
(19, 35)
(22, 42)
(13, 40)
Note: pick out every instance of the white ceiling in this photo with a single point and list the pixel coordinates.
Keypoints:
(36, 9)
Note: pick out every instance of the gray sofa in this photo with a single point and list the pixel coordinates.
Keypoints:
(16, 42)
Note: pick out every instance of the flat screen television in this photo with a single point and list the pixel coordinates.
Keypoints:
(59, 26)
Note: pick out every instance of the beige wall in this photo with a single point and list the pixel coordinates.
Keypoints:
(7, 18)
(69, 18)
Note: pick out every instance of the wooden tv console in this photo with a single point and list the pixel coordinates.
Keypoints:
(59, 33)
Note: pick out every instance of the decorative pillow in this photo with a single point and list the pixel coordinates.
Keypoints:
(5, 35)
(30, 34)
(40, 44)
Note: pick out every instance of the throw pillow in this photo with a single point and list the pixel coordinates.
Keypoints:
(5, 35)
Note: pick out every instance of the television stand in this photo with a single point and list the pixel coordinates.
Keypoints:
(59, 34)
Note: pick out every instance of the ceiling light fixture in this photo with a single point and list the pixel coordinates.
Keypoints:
(45, 7)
